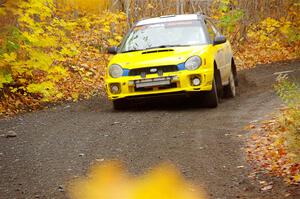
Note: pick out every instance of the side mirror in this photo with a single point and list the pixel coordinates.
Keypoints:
(113, 50)
(219, 40)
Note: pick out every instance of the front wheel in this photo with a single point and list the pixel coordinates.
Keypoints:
(211, 97)
(230, 89)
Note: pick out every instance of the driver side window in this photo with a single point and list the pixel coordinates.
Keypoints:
(212, 31)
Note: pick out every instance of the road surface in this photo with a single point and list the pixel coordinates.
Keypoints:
(55, 145)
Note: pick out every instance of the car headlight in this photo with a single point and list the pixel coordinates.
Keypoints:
(193, 63)
(115, 71)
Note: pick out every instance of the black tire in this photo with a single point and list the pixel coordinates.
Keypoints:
(119, 104)
(230, 89)
(211, 98)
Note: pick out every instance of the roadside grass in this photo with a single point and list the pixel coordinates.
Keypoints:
(289, 92)
(291, 120)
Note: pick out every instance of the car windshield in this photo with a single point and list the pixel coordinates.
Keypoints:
(171, 34)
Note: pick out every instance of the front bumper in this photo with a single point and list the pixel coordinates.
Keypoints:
(181, 81)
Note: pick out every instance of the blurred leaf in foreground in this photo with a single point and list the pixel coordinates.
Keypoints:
(110, 181)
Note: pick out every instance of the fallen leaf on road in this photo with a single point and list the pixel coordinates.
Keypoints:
(287, 195)
(297, 178)
(249, 127)
(262, 182)
(268, 149)
(266, 188)
(115, 123)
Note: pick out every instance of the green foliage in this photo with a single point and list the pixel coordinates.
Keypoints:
(289, 92)
(5, 78)
(291, 120)
(223, 7)
(47, 89)
(227, 15)
(230, 19)
(12, 37)
(290, 31)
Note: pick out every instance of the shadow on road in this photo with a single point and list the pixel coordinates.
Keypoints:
(174, 103)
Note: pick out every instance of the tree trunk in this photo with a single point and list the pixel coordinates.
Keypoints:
(182, 5)
(128, 12)
(178, 7)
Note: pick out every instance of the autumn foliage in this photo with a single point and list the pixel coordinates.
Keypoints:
(52, 51)
(271, 40)
(50, 55)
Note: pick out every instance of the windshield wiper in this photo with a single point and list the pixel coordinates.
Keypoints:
(166, 46)
(128, 51)
(162, 46)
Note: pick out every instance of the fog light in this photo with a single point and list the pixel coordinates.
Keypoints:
(115, 88)
(131, 83)
(196, 81)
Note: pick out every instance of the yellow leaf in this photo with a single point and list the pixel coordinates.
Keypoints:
(297, 178)
(10, 57)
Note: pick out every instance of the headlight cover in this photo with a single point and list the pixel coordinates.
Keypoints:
(193, 63)
(115, 71)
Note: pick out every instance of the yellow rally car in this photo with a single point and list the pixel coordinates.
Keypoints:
(172, 54)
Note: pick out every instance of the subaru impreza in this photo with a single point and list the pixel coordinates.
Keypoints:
(176, 54)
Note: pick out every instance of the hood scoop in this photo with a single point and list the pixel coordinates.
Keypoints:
(157, 51)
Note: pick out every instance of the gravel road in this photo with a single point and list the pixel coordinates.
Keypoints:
(40, 152)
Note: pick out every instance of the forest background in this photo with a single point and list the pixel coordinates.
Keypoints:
(53, 51)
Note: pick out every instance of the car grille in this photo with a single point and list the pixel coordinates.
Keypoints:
(153, 70)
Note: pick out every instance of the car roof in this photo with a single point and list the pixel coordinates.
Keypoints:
(169, 18)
